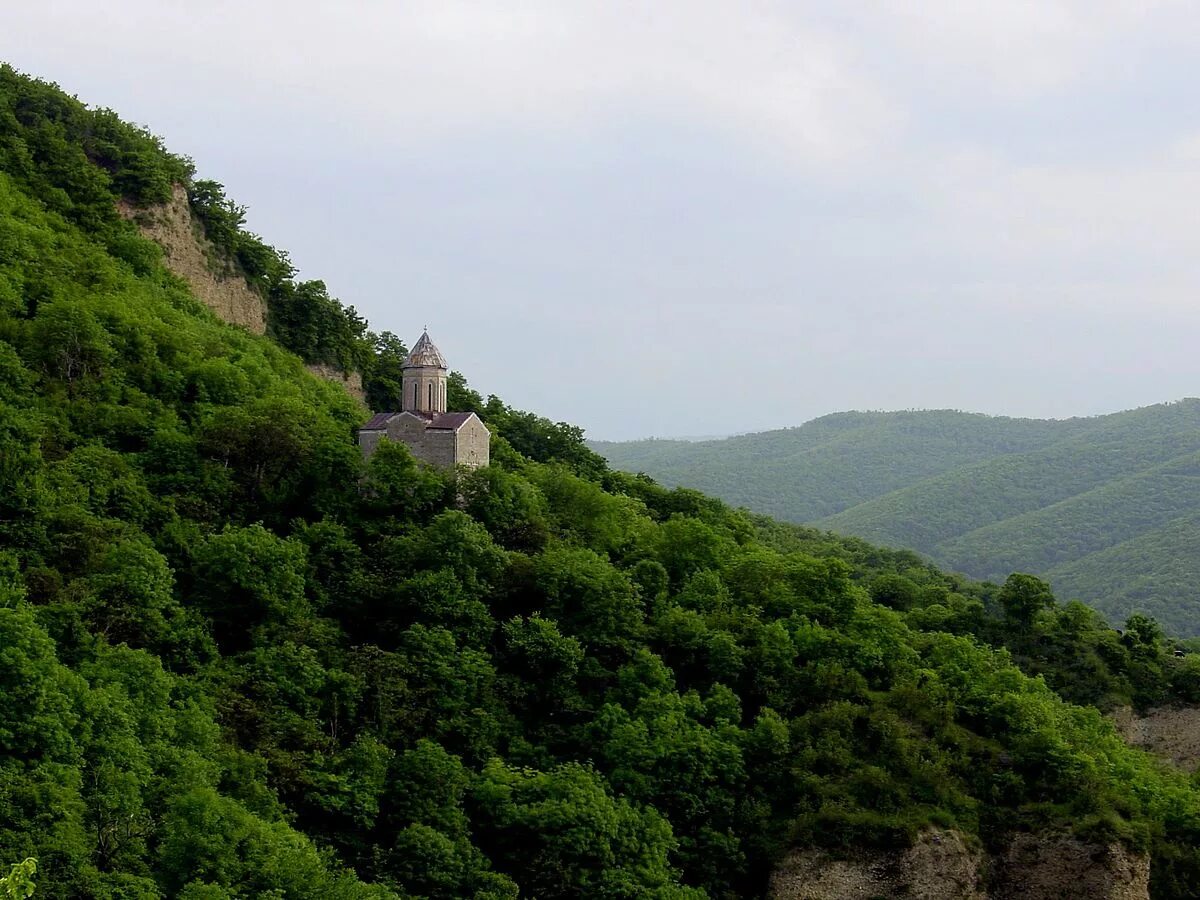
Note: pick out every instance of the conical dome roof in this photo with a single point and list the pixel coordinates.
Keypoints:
(424, 353)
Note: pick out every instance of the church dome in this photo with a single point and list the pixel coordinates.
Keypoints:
(424, 353)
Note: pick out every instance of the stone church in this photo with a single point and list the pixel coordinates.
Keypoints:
(444, 439)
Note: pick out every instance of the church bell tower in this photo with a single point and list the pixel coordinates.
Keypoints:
(423, 379)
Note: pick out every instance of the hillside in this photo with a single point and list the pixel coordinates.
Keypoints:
(986, 496)
(237, 661)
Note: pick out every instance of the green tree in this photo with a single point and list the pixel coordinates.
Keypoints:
(246, 577)
(19, 884)
(1023, 597)
(560, 834)
(590, 598)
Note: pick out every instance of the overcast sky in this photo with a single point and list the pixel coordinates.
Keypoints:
(682, 217)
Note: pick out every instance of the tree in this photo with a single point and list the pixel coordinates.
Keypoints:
(895, 591)
(560, 834)
(245, 577)
(542, 661)
(512, 509)
(1023, 597)
(18, 884)
(72, 344)
(398, 486)
(383, 375)
(590, 598)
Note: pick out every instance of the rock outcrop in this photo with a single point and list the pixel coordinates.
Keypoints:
(351, 381)
(187, 252)
(941, 865)
(1059, 867)
(1168, 732)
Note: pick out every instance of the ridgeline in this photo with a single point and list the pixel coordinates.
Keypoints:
(237, 661)
(1107, 509)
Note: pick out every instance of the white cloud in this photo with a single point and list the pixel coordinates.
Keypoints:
(1022, 47)
(417, 69)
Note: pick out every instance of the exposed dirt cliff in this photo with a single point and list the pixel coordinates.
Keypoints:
(351, 381)
(189, 255)
(941, 865)
(1171, 733)
(1059, 867)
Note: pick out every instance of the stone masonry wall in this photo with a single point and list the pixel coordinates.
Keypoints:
(473, 444)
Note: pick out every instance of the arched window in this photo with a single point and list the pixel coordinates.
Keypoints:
(431, 396)
(414, 406)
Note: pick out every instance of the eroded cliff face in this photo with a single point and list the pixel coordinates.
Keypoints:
(941, 865)
(351, 381)
(1170, 733)
(1059, 867)
(189, 255)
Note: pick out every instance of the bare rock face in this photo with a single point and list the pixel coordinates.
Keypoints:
(1170, 733)
(1059, 867)
(941, 866)
(216, 283)
(351, 381)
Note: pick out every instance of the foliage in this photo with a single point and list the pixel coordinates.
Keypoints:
(19, 884)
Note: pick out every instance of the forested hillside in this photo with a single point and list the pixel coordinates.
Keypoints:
(237, 662)
(986, 496)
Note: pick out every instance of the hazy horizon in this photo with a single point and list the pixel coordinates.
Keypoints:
(703, 217)
(696, 439)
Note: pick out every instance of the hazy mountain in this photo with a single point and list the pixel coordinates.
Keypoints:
(983, 495)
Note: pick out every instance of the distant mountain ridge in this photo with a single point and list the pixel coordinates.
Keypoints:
(1107, 507)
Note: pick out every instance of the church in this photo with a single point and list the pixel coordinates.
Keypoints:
(440, 438)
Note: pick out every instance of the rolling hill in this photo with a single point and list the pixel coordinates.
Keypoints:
(1104, 507)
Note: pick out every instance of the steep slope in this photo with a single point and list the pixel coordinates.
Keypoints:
(237, 661)
(992, 497)
(212, 277)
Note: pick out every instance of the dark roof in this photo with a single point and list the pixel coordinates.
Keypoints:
(450, 421)
(377, 422)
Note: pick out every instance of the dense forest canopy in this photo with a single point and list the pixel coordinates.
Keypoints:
(236, 661)
(1107, 509)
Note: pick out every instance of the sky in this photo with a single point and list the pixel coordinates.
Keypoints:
(690, 217)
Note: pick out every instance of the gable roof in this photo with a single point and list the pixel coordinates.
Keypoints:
(450, 421)
(377, 422)
(424, 353)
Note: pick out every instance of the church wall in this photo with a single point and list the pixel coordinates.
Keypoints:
(368, 441)
(408, 429)
(473, 444)
(411, 431)
(439, 448)
(469, 446)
